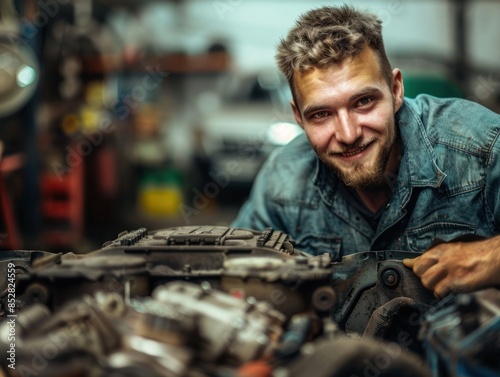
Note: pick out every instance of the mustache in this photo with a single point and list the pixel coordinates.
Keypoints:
(361, 144)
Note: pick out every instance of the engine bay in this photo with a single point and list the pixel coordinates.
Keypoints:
(220, 301)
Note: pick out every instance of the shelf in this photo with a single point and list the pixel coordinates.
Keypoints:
(178, 63)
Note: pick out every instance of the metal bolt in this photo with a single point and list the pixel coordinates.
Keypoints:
(390, 278)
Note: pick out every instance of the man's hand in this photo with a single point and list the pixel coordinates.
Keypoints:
(458, 266)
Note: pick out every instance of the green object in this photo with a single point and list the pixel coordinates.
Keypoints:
(161, 177)
(160, 192)
(435, 84)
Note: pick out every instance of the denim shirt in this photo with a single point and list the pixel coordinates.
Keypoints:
(448, 185)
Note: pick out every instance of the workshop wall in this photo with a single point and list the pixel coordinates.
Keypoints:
(159, 113)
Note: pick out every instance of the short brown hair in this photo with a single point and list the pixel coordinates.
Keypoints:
(329, 35)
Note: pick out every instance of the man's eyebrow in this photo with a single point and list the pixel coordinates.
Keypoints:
(372, 90)
(311, 109)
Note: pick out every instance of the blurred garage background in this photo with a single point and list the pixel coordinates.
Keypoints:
(119, 114)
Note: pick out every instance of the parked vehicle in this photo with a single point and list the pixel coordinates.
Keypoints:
(247, 118)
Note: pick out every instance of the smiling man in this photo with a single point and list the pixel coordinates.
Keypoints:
(348, 117)
(375, 170)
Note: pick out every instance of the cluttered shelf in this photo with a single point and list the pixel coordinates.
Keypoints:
(179, 63)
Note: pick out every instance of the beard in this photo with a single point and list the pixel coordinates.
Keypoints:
(365, 174)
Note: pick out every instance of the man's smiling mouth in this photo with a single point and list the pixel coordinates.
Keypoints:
(354, 151)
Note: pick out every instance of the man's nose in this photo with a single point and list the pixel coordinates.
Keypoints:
(347, 131)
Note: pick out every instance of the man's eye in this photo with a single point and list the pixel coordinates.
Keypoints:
(364, 101)
(320, 114)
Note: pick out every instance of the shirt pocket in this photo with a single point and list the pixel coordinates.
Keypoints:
(420, 239)
(316, 244)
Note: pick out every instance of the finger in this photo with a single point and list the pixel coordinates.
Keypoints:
(433, 276)
(444, 288)
(423, 264)
(410, 262)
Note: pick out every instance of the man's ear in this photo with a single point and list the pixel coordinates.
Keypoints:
(296, 113)
(398, 90)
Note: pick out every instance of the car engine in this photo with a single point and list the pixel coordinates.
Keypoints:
(221, 301)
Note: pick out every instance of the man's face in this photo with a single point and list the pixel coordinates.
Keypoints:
(347, 112)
